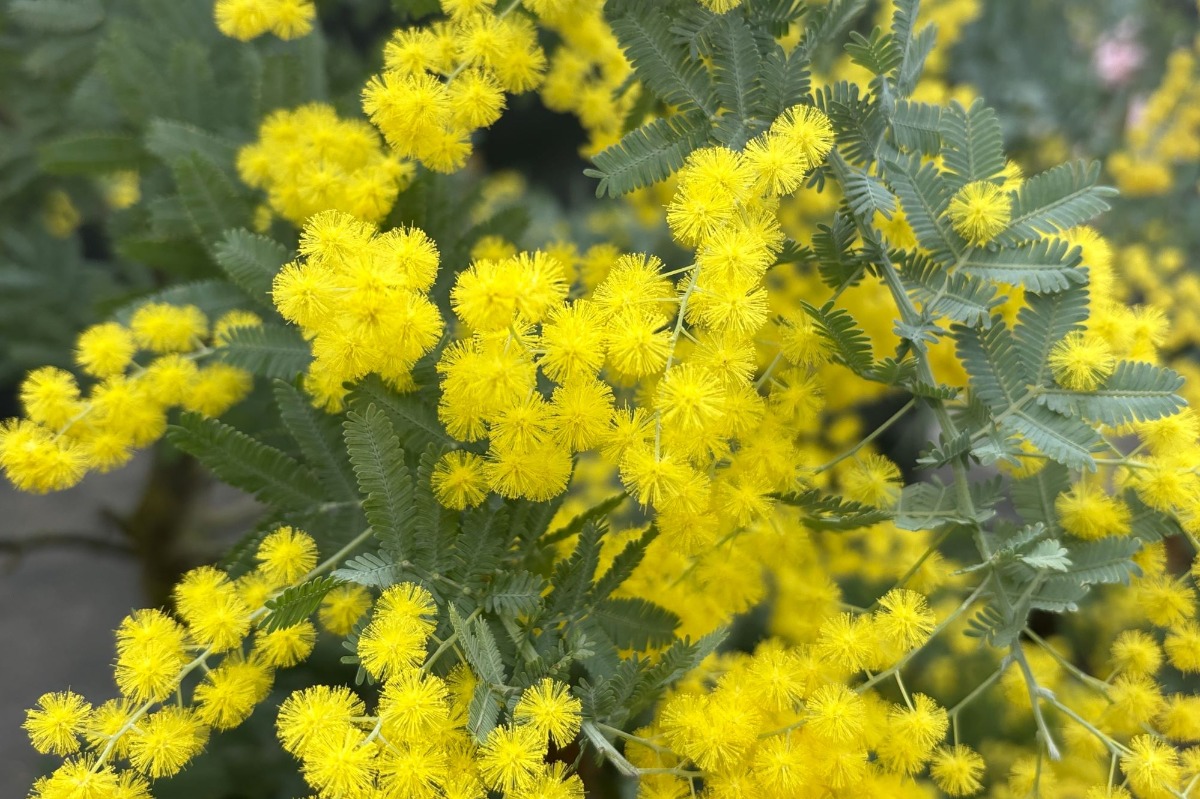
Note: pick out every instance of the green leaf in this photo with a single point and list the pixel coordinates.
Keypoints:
(785, 79)
(623, 565)
(438, 525)
(181, 257)
(90, 154)
(776, 16)
(1136, 391)
(479, 645)
(1046, 320)
(1059, 594)
(212, 202)
(838, 262)
(573, 577)
(267, 350)
(172, 141)
(483, 713)
(826, 23)
(663, 65)
(972, 145)
(597, 513)
(736, 62)
(293, 77)
(297, 603)
(515, 593)
(484, 539)
(1043, 266)
(822, 512)
(992, 363)
(1056, 200)
(856, 119)
(648, 154)
(635, 623)
(1066, 440)
(676, 660)
(917, 126)
(958, 297)
(1033, 497)
(915, 45)
(251, 261)
(369, 569)
(414, 418)
(1108, 560)
(319, 436)
(246, 463)
(878, 53)
(1047, 555)
(383, 480)
(929, 506)
(849, 342)
(866, 195)
(925, 196)
(56, 16)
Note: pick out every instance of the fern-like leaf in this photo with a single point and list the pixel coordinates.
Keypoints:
(1135, 391)
(846, 338)
(635, 623)
(319, 437)
(383, 480)
(515, 593)
(879, 53)
(992, 363)
(866, 194)
(1034, 496)
(972, 145)
(1056, 200)
(823, 512)
(1063, 438)
(958, 297)
(479, 645)
(414, 419)
(785, 79)
(1043, 266)
(212, 201)
(246, 463)
(925, 196)
(268, 350)
(297, 603)
(1046, 320)
(373, 570)
(90, 154)
(660, 62)
(917, 127)
(251, 261)
(648, 154)
(736, 62)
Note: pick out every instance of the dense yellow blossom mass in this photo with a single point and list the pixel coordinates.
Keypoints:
(683, 442)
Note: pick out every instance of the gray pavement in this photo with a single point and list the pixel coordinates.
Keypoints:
(59, 605)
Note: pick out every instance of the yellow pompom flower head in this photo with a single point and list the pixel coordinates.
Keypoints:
(1081, 362)
(55, 724)
(286, 555)
(549, 708)
(979, 211)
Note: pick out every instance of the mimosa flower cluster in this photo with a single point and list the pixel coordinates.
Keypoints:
(248, 19)
(115, 749)
(443, 82)
(361, 297)
(308, 160)
(417, 743)
(623, 453)
(135, 374)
